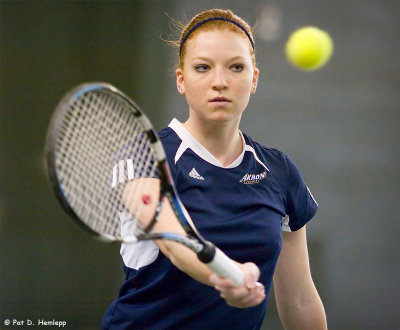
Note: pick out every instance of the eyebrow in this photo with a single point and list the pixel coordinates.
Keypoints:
(205, 58)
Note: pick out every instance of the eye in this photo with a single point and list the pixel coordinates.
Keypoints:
(237, 67)
(202, 68)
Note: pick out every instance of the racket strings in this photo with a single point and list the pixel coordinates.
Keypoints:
(82, 163)
(98, 133)
(148, 169)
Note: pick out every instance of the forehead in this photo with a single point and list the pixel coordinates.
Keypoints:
(218, 41)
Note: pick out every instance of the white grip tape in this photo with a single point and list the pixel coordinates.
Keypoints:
(223, 266)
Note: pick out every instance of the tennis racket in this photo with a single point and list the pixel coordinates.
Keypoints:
(108, 169)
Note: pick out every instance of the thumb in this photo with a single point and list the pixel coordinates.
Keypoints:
(251, 274)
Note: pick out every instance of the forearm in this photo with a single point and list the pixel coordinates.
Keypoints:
(298, 301)
(248, 295)
(185, 260)
(182, 257)
(305, 313)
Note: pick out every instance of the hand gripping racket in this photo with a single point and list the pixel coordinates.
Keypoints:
(108, 169)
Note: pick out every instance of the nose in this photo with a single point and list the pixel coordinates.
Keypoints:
(219, 79)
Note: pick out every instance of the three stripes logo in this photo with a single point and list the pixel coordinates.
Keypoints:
(122, 171)
(194, 174)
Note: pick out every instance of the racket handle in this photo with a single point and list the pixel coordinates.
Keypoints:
(223, 266)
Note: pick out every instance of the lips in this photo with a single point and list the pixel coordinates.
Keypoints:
(219, 99)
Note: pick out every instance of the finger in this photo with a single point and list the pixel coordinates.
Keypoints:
(244, 297)
(233, 294)
(254, 297)
(221, 281)
(251, 300)
(246, 304)
(227, 288)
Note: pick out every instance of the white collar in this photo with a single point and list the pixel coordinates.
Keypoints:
(188, 141)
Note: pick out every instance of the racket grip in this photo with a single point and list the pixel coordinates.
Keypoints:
(223, 266)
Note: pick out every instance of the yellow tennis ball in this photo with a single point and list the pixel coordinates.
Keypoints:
(309, 48)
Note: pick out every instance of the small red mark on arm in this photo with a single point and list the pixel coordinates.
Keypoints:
(146, 199)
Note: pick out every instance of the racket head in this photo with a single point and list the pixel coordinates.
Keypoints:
(98, 139)
(88, 143)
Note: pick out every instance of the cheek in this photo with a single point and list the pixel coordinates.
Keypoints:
(195, 88)
(245, 86)
(193, 93)
(244, 89)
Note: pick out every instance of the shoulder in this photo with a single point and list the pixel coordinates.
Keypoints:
(276, 160)
(171, 143)
(281, 167)
(165, 133)
(300, 204)
(169, 139)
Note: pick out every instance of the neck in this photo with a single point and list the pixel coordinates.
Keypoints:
(222, 140)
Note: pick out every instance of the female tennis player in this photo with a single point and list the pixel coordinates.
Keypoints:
(249, 200)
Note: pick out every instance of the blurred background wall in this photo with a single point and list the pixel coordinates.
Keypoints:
(339, 124)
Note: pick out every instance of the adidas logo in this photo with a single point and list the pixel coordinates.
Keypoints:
(194, 174)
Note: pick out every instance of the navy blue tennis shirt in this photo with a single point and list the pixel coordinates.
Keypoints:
(242, 208)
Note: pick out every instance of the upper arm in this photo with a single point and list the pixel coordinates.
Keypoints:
(292, 277)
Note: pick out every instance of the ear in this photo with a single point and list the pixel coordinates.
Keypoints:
(255, 81)
(179, 81)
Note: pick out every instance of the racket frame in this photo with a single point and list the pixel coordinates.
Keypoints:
(206, 251)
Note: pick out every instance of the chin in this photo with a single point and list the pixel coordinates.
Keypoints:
(223, 117)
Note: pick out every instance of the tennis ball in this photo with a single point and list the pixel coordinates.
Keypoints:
(309, 48)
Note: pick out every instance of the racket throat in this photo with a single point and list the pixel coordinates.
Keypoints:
(154, 220)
